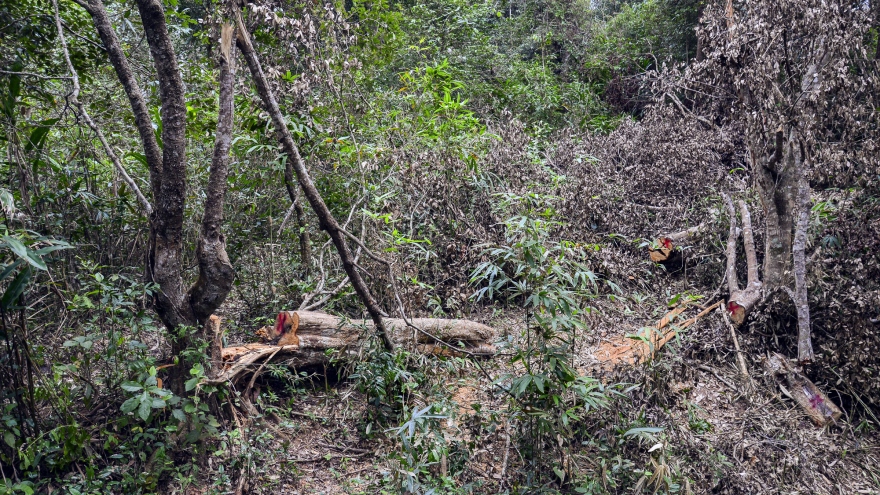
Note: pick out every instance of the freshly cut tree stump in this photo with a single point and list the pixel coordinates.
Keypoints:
(665, 251)
(813, 401)
(741, 301)
(301, 338)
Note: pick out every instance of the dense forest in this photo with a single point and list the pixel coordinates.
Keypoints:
(440, 247)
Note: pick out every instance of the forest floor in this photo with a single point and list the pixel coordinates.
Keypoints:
(717, 433)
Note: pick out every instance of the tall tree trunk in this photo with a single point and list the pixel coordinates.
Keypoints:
(215, 270)
(165, 258)
(776, 180)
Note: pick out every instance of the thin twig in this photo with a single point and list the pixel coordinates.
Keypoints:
(506, 456)
(744, 371)
(716, 375)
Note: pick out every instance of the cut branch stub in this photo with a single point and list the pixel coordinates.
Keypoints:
(666, 251)
(742, 301)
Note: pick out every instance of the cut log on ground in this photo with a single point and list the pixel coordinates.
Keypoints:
(665, 250)
(813, 401)
(293, 327)
(302, 338)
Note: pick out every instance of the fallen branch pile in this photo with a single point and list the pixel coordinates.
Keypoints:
(302, 338)
(634, 351)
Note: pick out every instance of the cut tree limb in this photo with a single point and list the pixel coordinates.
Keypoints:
(665, 250)
(813, 401)
(801, 300)
(635, 351)
(302, 338)
(741, 302)
(301, 327)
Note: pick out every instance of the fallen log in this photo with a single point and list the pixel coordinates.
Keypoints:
(812, 401)
(664, 249)
(291, 327)
(302, 338)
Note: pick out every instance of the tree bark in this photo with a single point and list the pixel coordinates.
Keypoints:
(805, 345)
(74, 98)
(165, 265)
(178, 309)
(299, 327)
(820, 409)
(776, 188)
(325, 218)
(215, 270)
(305, 243)
(142, 120)
(666, 245)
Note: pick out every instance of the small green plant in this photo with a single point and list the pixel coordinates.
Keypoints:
(549, 278)
(389, 381)
(148, 395)
(695, 422)
(422, 445)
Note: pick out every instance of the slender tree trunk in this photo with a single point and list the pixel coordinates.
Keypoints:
(305, 243)
(215, 270)
(325, 217)
(165, 260)
(805, 345)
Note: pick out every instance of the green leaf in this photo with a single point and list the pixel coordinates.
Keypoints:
(16, 246)
(16, 287)
(54, 247)
(24, 253)
(636, 431)
(8, 269)
(131, 387)
(7, 201)
(559, 473)
(15, 80)
(9, 438)
(25, 486)
(158, 403)
(38, 136)
(129, 405)
(140, 157)
(178, 415)
(144, 409)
